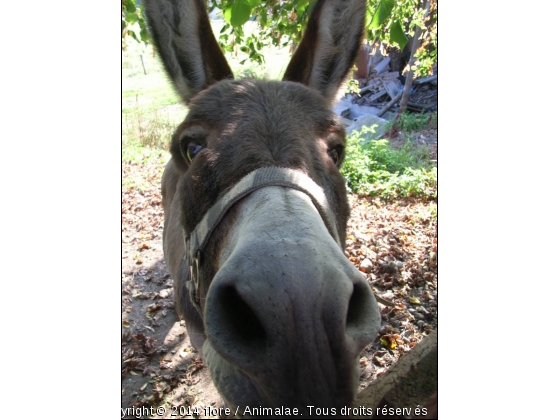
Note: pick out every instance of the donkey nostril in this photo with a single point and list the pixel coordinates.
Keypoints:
(358, 307)
(240, 320)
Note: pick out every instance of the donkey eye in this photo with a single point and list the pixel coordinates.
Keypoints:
(192, 149)
(335, 154)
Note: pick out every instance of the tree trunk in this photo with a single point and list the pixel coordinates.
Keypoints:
(408, 384)
(410, 74)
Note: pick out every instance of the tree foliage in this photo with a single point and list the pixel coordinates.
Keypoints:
(390, 23)
(280, 24)
(393, 22)
(131, 13)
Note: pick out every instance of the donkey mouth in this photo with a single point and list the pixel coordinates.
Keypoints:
(248, 396)
(237, 388)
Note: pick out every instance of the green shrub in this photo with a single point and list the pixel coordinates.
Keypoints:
(410, 121)
(373, 167)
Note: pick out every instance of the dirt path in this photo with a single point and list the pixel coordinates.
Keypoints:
(159, 366)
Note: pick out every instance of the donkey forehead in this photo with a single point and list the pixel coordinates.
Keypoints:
(266, 105)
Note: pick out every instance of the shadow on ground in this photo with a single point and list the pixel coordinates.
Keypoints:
(159, 365)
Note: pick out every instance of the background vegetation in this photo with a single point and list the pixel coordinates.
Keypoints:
(390, 23)
(151, 110)
(373, 167)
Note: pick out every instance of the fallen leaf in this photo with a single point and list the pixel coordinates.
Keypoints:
(387, 342)
(153, 307)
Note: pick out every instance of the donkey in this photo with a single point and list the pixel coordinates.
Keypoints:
(256, 213)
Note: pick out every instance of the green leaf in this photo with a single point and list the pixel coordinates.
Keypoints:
(133, 35)
(396, 34)
(254, 3)
(131, 17)
(144, 35)
(383, 11)
(131, 6)
(238, 13)
(369, 17)
(301, 5)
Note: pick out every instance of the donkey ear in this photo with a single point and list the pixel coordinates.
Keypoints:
(329, 46)
(183, 36)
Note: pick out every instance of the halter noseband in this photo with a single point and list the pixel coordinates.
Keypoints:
(260, 178)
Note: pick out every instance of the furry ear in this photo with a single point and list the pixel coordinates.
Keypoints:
(329, 46)
(183, 36)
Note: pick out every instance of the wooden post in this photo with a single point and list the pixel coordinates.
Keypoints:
(410, 75)
(144, 67)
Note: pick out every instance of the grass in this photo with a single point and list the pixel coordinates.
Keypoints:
(373, 167)
(139, 154)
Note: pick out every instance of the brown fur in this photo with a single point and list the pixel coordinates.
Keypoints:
(245, 125)
(329, 47)
(265, 134)
(183, 36)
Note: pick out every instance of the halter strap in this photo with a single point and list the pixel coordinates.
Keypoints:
(260, 178)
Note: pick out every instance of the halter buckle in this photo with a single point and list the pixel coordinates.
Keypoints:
(194, 266)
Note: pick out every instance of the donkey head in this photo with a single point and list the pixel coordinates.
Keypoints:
(283, 315)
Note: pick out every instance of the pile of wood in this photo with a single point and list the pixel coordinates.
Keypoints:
(380, 87)
(380, 84)
(424, 95)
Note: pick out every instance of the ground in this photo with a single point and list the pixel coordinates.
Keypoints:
(394, 243)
